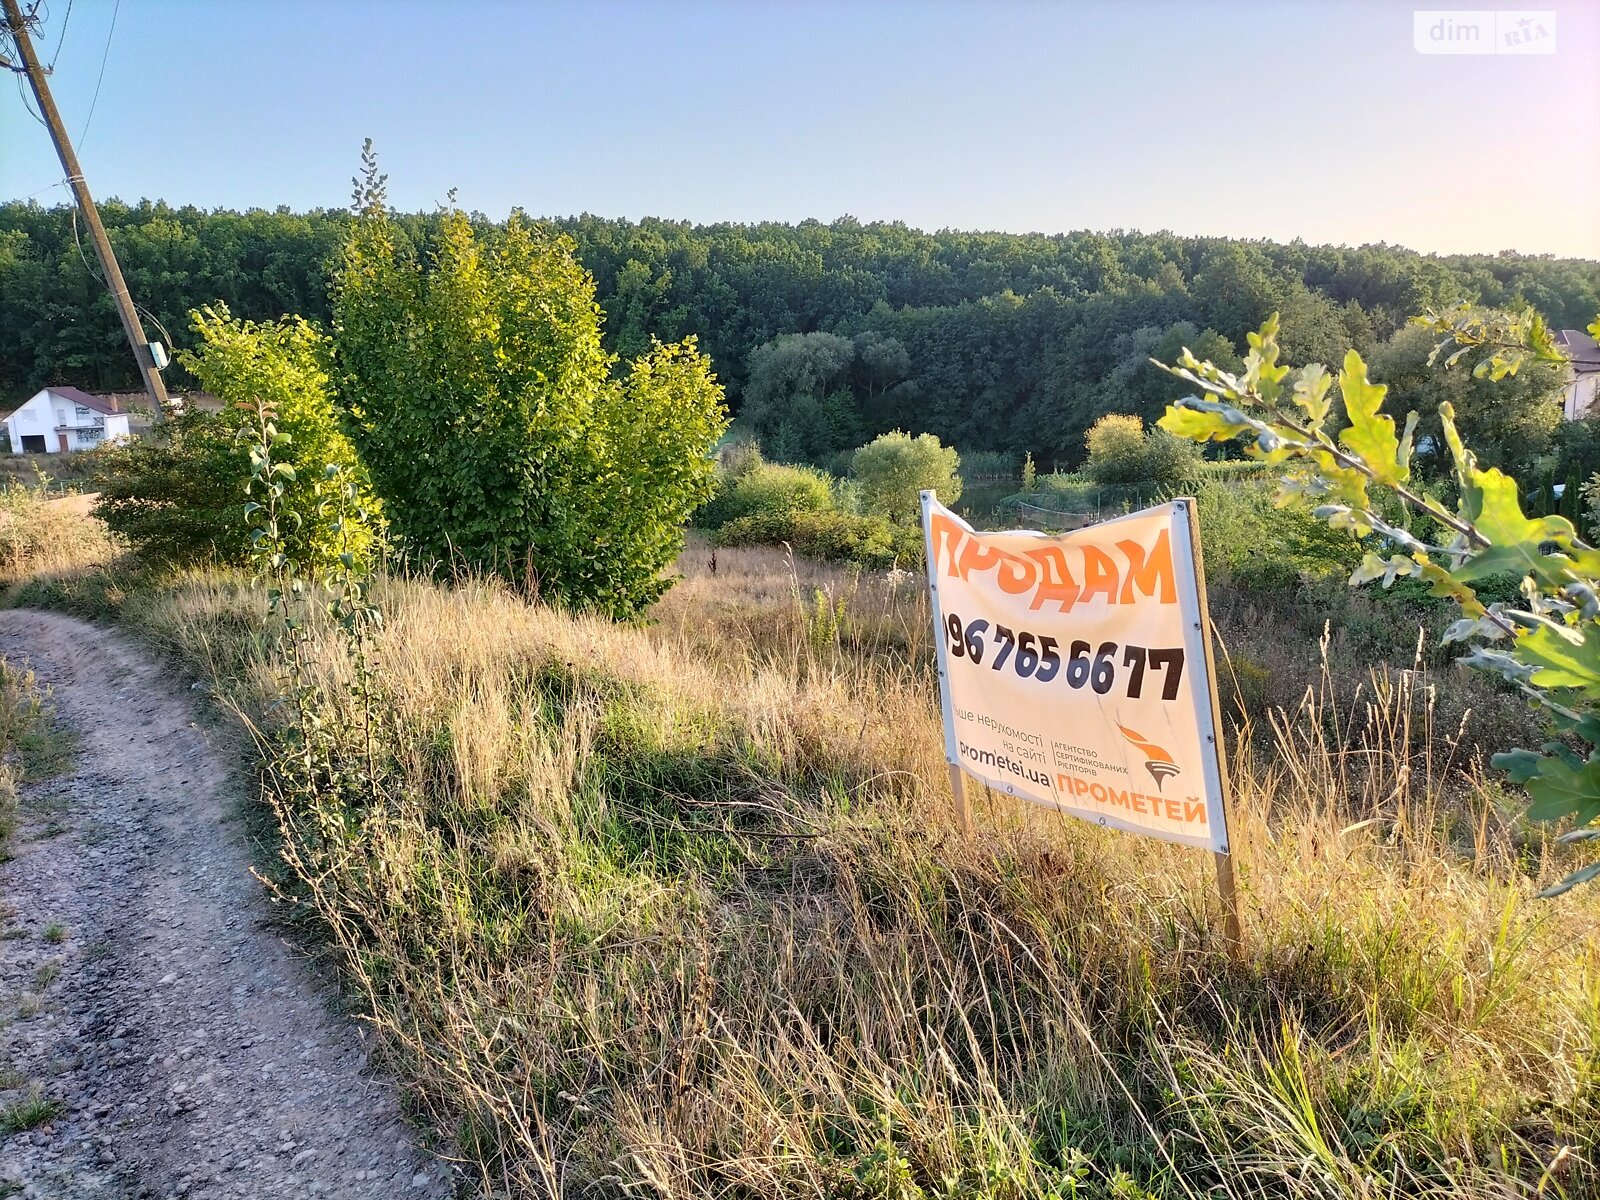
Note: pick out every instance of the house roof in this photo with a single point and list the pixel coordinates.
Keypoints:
(1580, 348)
(100, 404)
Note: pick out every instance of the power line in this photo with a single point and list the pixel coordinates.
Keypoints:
(60, 41)
(101, 279)
(101, 77)
(44, 189)
(25, 102)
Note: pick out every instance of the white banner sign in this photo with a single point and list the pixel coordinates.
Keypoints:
(1074, 670)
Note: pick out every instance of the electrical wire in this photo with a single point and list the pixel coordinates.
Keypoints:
(101, 78)
(44, 189)
(60, 40)
(21, 91)
(95, 274)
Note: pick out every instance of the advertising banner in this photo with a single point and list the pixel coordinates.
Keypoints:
(1075, 670)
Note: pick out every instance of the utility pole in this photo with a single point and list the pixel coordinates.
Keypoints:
(91, 216)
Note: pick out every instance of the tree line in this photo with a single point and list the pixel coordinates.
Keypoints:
(824, 335)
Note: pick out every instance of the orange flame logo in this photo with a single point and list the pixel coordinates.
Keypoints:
(1157, 761)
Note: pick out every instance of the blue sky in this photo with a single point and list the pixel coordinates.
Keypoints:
(1269, 119)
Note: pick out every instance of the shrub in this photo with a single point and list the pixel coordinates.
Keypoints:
(1121, 452)
(737, 458)
(1116, 449)
(867, 541)
(178, 494)
(765, 488)
(486, 409)
(1239, 521)
(893, 469)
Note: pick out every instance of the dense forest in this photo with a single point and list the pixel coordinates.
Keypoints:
(825, 334)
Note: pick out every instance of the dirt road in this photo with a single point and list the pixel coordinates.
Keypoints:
(142, 993)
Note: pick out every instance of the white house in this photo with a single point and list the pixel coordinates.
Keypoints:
(1583, 375)
(63, 418)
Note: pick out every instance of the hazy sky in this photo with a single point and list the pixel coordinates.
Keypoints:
(1267, 119)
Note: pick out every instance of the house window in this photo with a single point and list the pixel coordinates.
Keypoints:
(88, 437)
(85, 414)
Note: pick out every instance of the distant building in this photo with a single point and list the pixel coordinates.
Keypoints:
(1583, 375)
(64, 418)
(59, 419)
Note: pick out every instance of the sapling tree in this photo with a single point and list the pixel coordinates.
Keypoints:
(1548, 643)
(487, 410)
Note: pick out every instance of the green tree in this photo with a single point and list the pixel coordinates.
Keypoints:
(178, 494)
(796, 396)
(1509, 423)
(892, 470)
(485, 408)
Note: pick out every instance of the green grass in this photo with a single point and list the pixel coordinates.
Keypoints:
(32, 746)
(60, 473)
(29, 1113)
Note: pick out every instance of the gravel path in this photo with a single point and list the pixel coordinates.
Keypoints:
(140, 987)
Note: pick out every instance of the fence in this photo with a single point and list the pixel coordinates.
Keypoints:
(1054, 518)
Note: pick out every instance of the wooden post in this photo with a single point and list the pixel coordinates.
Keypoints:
(958, 786)
(1228, 892)
(1227, 881)
(958, 782)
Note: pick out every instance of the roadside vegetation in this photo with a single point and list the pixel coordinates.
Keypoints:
(636, 846)
(43, 532)
(681, 906)
(869, 518)
(32, 746)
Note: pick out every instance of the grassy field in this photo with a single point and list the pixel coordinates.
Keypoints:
(59, 473)
(680, 909)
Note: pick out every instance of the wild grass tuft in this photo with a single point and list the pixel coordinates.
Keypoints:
(32, 745)
(30, 1112)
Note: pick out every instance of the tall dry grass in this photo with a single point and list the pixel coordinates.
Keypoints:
(45, 534)
(680, 910)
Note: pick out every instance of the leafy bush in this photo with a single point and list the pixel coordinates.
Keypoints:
(1546, 641)
(737, 458)
(178, 494)
(1121, 452)
(868, 541)
(892, 470)
(486, 410)
(764, 488)
(1254, 543)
